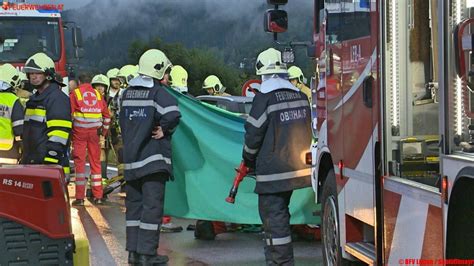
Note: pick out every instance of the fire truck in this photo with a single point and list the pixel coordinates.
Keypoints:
(393, 103)
(36, 224)
(26, 29)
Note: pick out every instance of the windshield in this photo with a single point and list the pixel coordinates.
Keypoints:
(21, 38)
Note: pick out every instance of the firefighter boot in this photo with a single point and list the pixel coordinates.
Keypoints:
(78, 202)
(133, 258)
(151, 260)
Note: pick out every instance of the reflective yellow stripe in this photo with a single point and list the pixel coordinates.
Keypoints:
(78, 94)
(6, 144)
(59, 123)
(51, 160)
(8, 161)
(87, 115)
(59, 133)
(37, 112)
(67, 170)
(98, 95)
(7, 100)
(6, 136)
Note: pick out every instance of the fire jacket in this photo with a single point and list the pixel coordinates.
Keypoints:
(145, 105)
(11, 127)
(89, 109)
(47, 127)
(278, 135)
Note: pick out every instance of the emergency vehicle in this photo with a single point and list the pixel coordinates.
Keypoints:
(36, 223)
(26, 29)
(393, 167)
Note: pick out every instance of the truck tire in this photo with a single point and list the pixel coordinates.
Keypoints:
(330, 233)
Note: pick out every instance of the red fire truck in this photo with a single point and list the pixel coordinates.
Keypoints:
(393, 167)
(26, 29)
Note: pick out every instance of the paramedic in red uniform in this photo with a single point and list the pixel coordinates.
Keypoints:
(91, 119)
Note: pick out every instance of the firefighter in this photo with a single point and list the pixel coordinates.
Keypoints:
(127, 73)
(278, 159)
(114, 82)
(148, 117)
(113, 103)
(47, 116)
(24, 89)
(11, 115)
(296, 77)
(101, 83)
(213, 85)
(91, 120)
(179, 79)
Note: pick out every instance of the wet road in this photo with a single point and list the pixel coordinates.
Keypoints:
(105, 229)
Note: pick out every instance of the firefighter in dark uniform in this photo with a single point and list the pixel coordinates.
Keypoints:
(11, 115)
(47, 126)
(148, 117)
(278, 135)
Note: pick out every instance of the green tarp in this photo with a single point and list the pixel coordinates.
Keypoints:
(207, 146)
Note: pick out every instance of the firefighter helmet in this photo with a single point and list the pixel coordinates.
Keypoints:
(112, 73)
(41, 63)
(154, 63)
(127, 72)
(179, 78)
(213, 82)
(9, 74)
(101, 79)
(295, 72)
(23, 76)
(269, 62)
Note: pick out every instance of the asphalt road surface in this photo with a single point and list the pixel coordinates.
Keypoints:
(105, 229)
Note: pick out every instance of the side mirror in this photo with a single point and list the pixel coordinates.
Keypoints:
(78, 53)
(276, 21)
(77, 37)
(277, 2)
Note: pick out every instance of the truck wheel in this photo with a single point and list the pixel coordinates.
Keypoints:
(330, 234)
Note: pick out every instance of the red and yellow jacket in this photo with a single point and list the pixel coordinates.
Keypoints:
(89, 109)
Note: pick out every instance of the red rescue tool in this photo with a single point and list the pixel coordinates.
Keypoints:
(242, 171)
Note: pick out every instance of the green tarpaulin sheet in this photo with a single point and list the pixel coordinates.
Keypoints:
(207, 147)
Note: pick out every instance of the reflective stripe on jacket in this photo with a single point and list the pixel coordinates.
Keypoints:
(47, 127)
(278, 135)
(11, 124)
(143, 109)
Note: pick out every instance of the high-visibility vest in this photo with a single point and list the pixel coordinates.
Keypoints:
(7, 100)
(89, 112)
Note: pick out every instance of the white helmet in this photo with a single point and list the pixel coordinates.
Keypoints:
(154, 63)
(179, 78)
(269, 62)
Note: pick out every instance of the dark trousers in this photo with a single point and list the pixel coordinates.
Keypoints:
(275, 215)
(144, 203)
